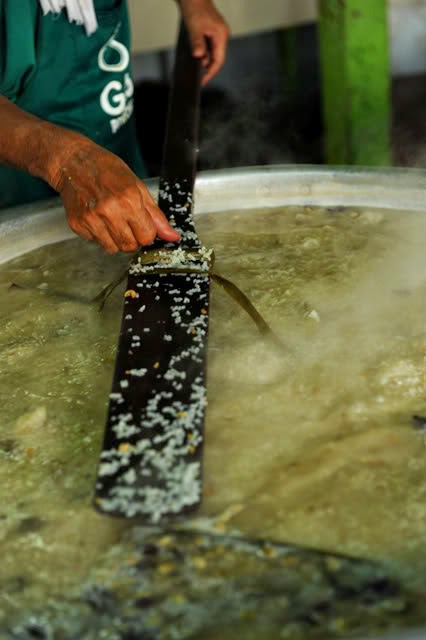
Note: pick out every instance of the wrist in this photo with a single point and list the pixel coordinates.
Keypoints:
(61, 145)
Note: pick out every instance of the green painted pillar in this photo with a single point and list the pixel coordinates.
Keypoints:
(356, 81)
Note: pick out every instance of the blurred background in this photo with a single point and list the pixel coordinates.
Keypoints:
(306, 81)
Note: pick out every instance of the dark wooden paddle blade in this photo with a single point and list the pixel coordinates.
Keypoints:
(151, 459)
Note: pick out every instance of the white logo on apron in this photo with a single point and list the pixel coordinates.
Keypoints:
(122, 64)
(117, 96)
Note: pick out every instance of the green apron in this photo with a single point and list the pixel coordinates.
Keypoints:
(50, 68)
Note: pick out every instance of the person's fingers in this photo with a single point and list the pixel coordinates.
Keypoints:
(79, 230)
(128, 221)
(100, 233)
(121, 233)
(218, 44)
(143, 228)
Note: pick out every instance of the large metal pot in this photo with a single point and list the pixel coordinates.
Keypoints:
(23, 229)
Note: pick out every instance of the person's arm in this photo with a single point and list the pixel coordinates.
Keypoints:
(103, 199)
(209, 34)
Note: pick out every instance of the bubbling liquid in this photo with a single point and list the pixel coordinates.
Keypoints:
(314, 444)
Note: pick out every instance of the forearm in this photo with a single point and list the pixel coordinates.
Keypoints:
(103, 199)
(34, 145)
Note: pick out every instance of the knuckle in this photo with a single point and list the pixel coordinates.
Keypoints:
(106, 208)
(129, 192)
(113, 202)
(88, 217)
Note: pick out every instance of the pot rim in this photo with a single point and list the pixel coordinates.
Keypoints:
(28, 227)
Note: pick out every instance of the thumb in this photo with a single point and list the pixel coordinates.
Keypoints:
(164, 229)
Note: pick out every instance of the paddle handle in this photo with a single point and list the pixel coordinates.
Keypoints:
(181, 142)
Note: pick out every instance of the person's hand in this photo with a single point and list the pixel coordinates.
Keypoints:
(209, 35)
(105, 201)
